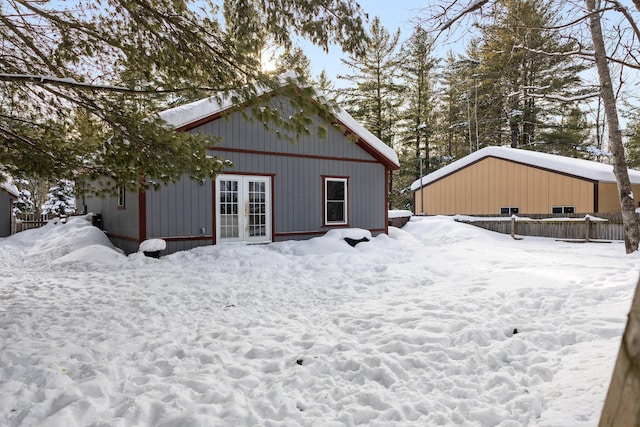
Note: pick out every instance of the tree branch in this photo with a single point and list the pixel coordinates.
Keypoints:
(565, 98)
(582, 54)
(620, 8)
(20, 138)
(68, 82)
(471, 8)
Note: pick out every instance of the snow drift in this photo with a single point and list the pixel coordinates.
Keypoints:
(439, 323)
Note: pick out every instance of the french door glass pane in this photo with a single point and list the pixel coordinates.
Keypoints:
(229, 226)
(257, 209)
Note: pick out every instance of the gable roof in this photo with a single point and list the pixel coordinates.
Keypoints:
(208, 109)
(586, 169)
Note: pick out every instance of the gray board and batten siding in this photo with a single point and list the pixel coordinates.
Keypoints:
(121, 223)
(184, 213)
(297, 170)
(6, 202)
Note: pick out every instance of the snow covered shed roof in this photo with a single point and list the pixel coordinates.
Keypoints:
(577, 167)
(9, 188)
(203, 110)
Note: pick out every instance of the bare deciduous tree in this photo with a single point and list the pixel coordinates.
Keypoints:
(629, 218)
(622, 406)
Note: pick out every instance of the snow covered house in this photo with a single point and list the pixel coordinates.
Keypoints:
(501, 180)
(8, 195)
(276, 190)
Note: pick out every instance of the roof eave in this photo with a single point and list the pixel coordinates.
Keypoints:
(425, 181)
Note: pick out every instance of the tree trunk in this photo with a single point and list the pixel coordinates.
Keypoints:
(629, 218)
(622, 405)
(515, 133)
(418, 155)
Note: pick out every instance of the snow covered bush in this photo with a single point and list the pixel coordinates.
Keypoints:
(24, 204)
(61, 199)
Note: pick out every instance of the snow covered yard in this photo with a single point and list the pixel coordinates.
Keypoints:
(416, 328)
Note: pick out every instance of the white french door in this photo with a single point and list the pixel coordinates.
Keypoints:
(243, 208)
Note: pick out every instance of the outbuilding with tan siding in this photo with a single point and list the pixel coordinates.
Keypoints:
(501, 180)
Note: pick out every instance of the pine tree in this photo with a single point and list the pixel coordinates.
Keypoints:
(417, 117)
(294, 60)
(33, 193)
(61, 199)
(374, 95)
(454, 131)
(418, 112)
(24, 204)
(82, 82)
(569, 137)
(633, 145)
(325, 87)
(514, 69)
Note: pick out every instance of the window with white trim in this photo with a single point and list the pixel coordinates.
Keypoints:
(335, 201)
(563, 209)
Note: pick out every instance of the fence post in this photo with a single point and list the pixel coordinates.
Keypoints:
(587, 224)
(513, 226)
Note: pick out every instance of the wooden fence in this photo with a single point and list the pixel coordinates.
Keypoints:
(573, 227)
(23, 222)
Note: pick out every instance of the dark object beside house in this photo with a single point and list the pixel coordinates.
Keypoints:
(354, 242)
(96, 221)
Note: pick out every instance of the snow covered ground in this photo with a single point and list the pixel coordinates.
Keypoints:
(412, 329)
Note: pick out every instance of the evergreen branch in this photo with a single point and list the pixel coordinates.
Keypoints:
(27, 41)
(83, 28)
(29, 143)
(69, 82)
(61, 23)
(221, 56)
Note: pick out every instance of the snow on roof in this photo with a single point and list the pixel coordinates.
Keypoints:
(577, 167)
(399, 213)
(194, 111)
(373, 141)
(191, 113)
(9, 188)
